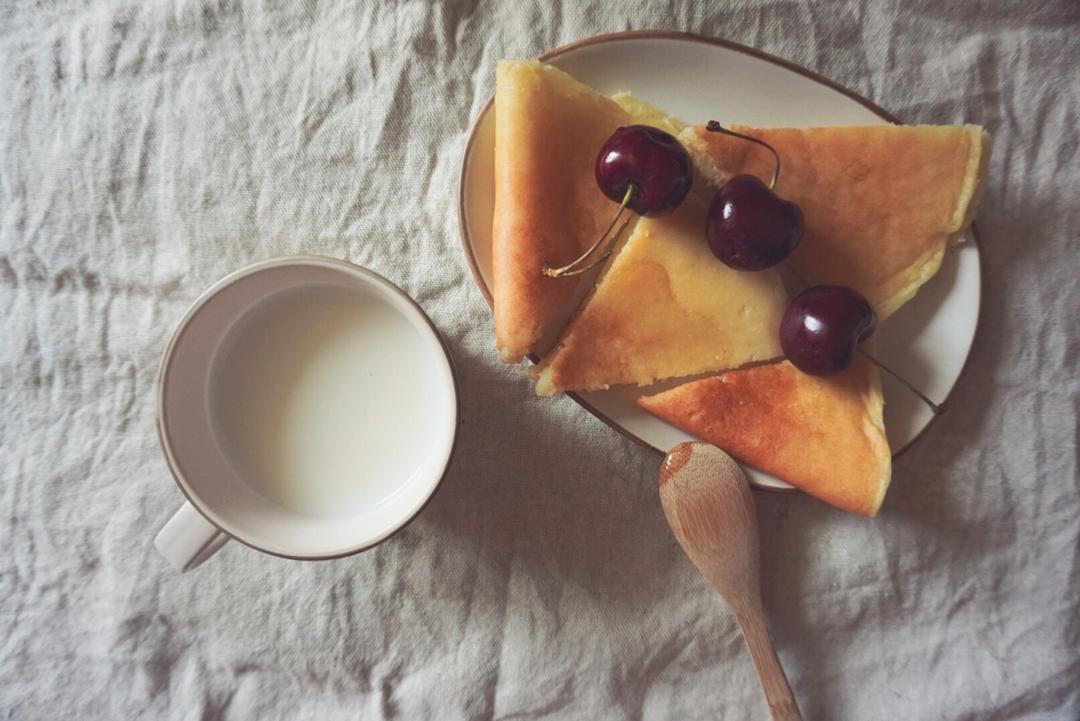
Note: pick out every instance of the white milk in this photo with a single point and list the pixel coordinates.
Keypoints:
(317, 396)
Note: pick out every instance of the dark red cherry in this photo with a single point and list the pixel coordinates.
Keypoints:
(823, 325)
(649, 159)
(750, 227)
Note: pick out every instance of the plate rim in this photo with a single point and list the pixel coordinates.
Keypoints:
(478, 279)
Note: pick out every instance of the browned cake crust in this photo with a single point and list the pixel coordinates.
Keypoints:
(881, 203)
(822, 435)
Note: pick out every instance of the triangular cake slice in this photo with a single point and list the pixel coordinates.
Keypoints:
(822, 435)
(881, 203)
(664, 308)
(548, 208)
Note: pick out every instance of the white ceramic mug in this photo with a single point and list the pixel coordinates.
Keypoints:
(220, 504)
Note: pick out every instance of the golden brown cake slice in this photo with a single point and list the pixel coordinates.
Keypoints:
(666, 307)
(881, 203)
(548, 208)
(822, 435)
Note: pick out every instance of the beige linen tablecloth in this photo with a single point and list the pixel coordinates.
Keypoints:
(148, 148)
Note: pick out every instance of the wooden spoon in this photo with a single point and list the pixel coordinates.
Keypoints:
(708, 504)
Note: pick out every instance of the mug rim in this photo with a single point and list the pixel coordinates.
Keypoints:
(226, 281)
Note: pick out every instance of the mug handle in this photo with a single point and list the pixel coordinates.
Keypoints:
(188, 539)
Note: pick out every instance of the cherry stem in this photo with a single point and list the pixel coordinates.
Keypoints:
(714, 127)
(936, 408)
(572, 268)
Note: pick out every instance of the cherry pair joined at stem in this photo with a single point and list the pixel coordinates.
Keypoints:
(647, 170)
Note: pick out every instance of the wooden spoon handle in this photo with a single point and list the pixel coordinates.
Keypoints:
(774, 683)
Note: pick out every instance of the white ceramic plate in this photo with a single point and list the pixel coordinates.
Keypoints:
(699, 79)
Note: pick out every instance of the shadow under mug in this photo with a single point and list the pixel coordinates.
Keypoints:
(220, 505)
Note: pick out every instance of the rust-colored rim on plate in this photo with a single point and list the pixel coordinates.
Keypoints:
(873, 107)
(197, 305)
